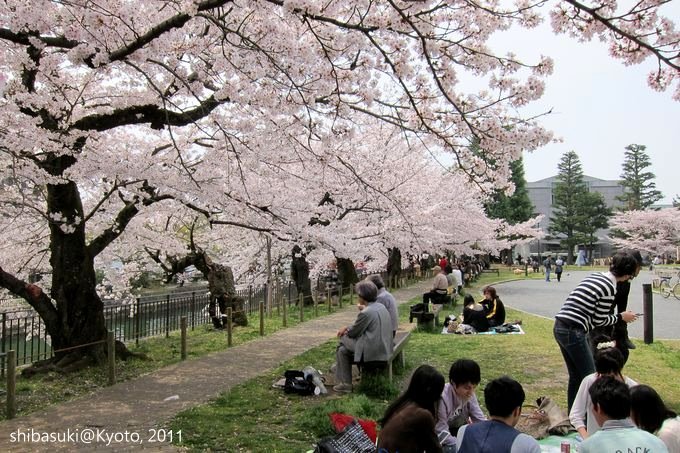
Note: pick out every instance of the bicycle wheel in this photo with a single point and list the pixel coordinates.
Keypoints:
(665, 289)
(676, 291)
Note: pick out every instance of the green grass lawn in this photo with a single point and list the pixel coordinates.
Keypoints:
(38, 392)
(255, 417)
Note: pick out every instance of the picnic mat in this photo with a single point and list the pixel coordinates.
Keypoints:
(551, 444)
(491, 331)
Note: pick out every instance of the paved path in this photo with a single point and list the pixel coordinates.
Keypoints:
(546, 298)
(138, 407)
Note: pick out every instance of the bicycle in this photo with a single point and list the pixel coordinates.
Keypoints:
(665, 288)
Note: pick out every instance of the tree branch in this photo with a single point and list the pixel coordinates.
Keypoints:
(35, 296)
(154, 115)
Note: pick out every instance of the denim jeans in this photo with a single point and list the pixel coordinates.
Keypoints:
(547, 275)
(573, 343)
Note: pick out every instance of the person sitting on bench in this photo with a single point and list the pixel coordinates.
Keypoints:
(369, 339)
(440, 286)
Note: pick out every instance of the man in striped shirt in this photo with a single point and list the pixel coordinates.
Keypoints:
(587, 306)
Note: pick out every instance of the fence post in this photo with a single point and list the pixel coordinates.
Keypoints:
(340, 296)
(167, 316)
(11, 383)
(290, 287)
(3, 346)
(111, 351)
(648, 310)
(328, 299)
(193, 308)
(183, 336)
(301, 304)
(138, 321)
(351, 293)
(285, 315)
(262, 319)
(267, 289)
(229, 316)
(250, 298)
(279, 301)
(316, 306)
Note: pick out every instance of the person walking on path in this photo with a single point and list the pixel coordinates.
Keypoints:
(547, 264)
(587, 306)
(558, 268)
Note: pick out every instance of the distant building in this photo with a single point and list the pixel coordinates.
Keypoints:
(541, 196)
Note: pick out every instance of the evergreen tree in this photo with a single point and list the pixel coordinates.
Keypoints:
(516, 208)
(567, 202)
(639, 187)
(594, 216)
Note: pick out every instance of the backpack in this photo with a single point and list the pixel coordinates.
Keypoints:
(296, 383)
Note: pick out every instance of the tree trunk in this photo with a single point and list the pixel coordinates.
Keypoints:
(80, 310)
(222, 291)
(75, 320)
(347, 274)
(393, 266)
(299, 270)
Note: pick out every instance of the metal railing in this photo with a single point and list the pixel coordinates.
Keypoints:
(24, 332)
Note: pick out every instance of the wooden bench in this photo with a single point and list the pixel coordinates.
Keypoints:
(400, 340)
(491, 271)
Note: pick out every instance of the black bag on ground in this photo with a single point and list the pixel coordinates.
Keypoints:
(296, 383)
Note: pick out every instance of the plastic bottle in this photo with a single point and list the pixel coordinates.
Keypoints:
(316, 379)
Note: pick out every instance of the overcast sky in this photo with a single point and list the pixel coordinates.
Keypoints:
(599, 107)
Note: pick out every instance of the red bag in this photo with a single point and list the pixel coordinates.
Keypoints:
(340, 421)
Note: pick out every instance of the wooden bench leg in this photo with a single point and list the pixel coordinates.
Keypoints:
(389, 370)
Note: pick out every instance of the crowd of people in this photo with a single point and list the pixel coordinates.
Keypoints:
(610, 411)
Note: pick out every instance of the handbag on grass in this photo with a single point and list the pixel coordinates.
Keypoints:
(353, 439)
(548, 418)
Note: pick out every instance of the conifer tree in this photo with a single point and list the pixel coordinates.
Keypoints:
(568, 196)
(595, 216)
(639, 187)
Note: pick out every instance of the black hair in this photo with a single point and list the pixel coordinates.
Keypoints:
(634, 253)
(491, 290)
(366, 290)
(448, 269)
(502, 396)
(424, 389)
(647, 409)
(463, 371)
(468, 299)
(612, 395)
(609, 360)
(377, 280)
(623, 264)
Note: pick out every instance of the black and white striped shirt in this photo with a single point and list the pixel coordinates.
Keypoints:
(590, 303)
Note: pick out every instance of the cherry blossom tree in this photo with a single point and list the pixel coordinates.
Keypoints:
(120, 115)
(652, 231)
